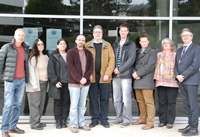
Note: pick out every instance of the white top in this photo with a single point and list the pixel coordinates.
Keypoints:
(37, 72)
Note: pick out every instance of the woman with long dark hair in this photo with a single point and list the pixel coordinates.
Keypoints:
(36, 88)
(58, 88)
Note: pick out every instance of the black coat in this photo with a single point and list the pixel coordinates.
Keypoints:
(54, 68)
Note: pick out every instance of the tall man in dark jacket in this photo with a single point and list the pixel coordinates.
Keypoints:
(143, 74)
(13, 70)
(187, 74)
(80, 64)
(125, 54)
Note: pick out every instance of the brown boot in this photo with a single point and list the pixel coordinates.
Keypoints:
(147, 126)
(138, 122)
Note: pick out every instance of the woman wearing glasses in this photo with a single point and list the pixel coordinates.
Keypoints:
(36, 88)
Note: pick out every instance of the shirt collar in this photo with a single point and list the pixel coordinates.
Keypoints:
(187, 46)
(97, 42)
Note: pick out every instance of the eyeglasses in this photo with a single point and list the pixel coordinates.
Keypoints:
(165, 43)
(40, 44)
(187, 35)
(97, 32)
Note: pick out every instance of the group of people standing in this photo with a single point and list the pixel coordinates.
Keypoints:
(88, 69)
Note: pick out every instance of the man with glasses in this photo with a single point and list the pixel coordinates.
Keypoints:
(187, 65)
(104, 62)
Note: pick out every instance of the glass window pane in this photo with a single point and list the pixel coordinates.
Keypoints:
(127, 7)
(69, 29)
(177, 28)
(186, 8)
(54, 7)
(179, 25)
(157, 30)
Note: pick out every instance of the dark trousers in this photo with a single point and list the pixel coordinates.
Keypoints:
(189, 95)
(167, 104)
(62, 105)
(99, 100)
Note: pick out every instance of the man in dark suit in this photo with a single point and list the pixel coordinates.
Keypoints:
(187, 74)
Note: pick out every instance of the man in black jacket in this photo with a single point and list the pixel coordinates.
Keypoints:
(125, 53)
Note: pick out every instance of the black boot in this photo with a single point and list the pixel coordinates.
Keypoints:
(64, 123)
(58, 124)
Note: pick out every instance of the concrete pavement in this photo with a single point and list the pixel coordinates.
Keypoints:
(100, 131)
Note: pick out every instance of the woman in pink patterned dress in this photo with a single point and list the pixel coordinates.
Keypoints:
(166, 84)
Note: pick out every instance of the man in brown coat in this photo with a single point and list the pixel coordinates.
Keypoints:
(104, 62)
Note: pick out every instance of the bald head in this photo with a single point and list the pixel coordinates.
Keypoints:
(80, 41)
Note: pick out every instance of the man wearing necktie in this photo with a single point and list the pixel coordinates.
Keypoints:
(187, 74)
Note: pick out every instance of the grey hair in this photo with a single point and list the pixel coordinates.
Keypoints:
(98, 27)
(172, 45)
(19, 29)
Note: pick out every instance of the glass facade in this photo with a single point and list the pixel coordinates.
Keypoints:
(158, 18)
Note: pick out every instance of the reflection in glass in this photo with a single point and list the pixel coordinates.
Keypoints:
(69, 27)
(10, 9)
(157, 30)
(186, 8)
(179, 25)
(53, 7)
(126, 7)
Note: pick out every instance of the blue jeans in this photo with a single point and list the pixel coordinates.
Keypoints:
(122, 89)
(78, 96)
(13, 95)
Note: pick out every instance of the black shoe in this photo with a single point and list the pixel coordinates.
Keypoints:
(38, 127)
(64, 123)
(43, 125)
(105, 124)
(161, 124)
(190, 132)
(93, 124)
(58, 124)
(183, 129)
(17, 130)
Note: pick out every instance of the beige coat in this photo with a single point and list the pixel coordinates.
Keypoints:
(107, 60)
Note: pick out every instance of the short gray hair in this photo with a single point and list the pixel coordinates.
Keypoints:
(97, 27)
(172, 45)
